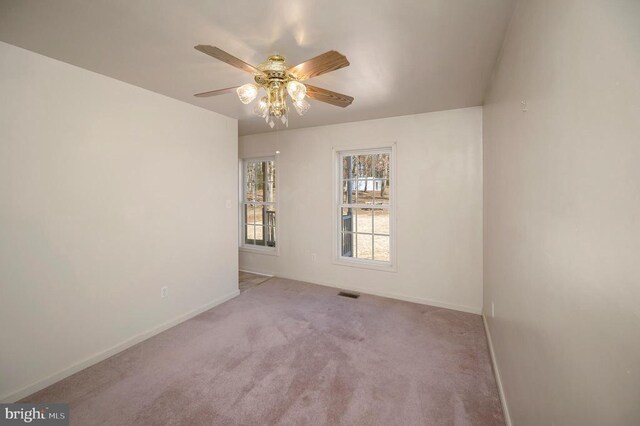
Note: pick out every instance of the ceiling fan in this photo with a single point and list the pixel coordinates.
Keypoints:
(278, 80)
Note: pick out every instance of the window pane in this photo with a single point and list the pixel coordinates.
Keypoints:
(349, 191)
(249, 213)
(258, 216)
(259, 191)
(381, 248)
(250, 191)
(365, 190)
(260, 166)
(381, 173)
(259, 234)
(377, 196)
(271, 172)
(363, 167)
(386, 191)
(364, 220)
(270, 219)
(381, 221)
(364, 246)
(347, 243)
(365, 179)
(271, 236)
(349, 167)
(381, 166)
(251, 172)
(270, 192)
(381, 192)
(346, 220)
(250, 234)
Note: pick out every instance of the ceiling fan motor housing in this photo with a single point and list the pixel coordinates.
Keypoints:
(274, 81)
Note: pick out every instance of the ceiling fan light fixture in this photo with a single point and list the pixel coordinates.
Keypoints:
(296, 90)
(261, 109)
(301, 106)
(279, 80)
(247, 93)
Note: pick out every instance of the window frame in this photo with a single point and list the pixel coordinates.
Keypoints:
(338, 258)
(251, 248)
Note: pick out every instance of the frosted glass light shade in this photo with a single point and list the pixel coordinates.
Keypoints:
(262, 107)
(301, 106)
(247, 93)
(296, 90)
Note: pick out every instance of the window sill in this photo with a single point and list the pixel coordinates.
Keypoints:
(269, 251)
(365, 264)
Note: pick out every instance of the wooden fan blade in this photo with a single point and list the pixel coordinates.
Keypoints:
(229, 59)
(321, 64)
(328, 96)
(216, 92)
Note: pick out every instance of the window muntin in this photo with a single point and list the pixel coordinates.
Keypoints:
(259, 203)
(364, 206)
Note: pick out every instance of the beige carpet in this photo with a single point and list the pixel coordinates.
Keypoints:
(292, 353)
(247, 280)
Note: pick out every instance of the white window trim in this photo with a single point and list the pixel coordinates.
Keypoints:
(338, 259)
(243, 247)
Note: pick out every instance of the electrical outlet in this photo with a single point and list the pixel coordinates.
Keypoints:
(228, 204)
(314, 257)
(164, 292)
(493, 310)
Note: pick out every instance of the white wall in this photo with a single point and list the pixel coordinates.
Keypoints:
(562, 213)
(438, 197)
(107, 193)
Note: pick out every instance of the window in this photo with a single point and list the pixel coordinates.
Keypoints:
(259, 203)
(364, 207)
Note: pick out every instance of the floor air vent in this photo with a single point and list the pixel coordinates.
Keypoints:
(349, 295)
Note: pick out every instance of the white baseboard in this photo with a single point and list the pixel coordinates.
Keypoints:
(462, 308)
(256, 273)
(503, 399)
(101, 356)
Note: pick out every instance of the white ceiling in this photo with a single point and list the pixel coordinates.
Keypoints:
(406, 56)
